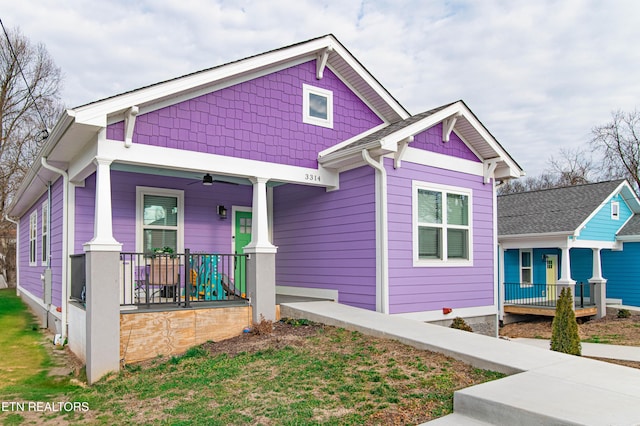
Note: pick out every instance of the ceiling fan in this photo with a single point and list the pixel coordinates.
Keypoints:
(207, 180)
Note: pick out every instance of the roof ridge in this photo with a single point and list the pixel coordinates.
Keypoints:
(620, 180)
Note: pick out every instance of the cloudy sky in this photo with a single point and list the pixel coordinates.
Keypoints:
(540, 74)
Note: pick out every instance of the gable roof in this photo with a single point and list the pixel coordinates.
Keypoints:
(466, 125)
(77, 128)
(558, 210)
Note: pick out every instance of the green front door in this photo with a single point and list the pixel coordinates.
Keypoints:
(242, 238)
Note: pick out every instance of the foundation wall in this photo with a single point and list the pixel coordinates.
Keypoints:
(145, 335)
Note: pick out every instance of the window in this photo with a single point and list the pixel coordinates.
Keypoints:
(33, 235)
(317, 106)
(45, 233)
(526, 269)
(615, 210)
(160, 219)
(442, 231)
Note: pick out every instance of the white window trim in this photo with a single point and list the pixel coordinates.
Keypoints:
(306, 118)
(615, 210)
(141, 191)
(520, 267)
(45, 225)
(33, 238)
(445, 189)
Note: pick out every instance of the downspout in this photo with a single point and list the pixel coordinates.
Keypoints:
(8, 219)
(65, 248)
(382, 243)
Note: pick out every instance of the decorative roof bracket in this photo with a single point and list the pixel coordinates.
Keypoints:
(490, 167)
(402, 147)
(447, 126)
(129, 123)
(321, 61)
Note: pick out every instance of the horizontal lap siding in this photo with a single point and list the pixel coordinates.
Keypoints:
(601, 227)
(203, 229)
(622, 271)
(260, 119)
(30, 275)
(327, 239)
(416, 289)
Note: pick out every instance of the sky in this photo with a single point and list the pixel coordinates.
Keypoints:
(539, 74)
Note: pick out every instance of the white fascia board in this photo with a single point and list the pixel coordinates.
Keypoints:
(442, 161)
(630, 197)
(551, 239)
(331, 149)
(482, 131)
(597, 209)
(594, 244)
(372, 82)
(177, 159)
(97, 112)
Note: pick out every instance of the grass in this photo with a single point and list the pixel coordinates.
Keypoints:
(608, 339)
(327, 376)
(25, 361)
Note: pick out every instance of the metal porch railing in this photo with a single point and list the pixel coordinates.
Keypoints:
(543, 295)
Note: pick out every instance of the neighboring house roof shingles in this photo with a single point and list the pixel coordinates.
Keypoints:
(551, 210)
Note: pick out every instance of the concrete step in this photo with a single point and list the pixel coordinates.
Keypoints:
(456, 419)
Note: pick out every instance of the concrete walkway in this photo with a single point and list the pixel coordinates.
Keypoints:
(552, 388)
(597, 350)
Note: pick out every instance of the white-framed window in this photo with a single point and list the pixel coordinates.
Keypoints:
(526, 268)
(45, 233)
(159, 219)
(615, 210)
(317, 106)
(33, 238)
(442, 234)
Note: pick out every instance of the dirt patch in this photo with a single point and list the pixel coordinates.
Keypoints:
(608, 330)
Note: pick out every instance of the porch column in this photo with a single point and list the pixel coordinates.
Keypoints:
(261, 264)
(565, 275)
(102, 290)
(598, 285)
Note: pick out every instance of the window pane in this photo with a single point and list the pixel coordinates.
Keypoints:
(160, 210)
(160, 238)
(429, 206)
(457, 244)
(429, 243)
(318, 106)
(526, 259)
(457, 209)
(526, 276)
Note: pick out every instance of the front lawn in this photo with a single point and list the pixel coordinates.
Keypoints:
(298, 374)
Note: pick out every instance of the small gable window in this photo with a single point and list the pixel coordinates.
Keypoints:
(615, 210)
(317, 106)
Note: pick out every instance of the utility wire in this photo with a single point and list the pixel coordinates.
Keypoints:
(45, 133)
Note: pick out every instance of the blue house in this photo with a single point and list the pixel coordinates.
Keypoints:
(583, 237)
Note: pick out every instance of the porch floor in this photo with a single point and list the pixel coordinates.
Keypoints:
(548, 309)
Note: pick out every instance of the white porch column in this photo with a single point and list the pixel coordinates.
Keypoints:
(598, 285)
(565, 275)
(103, 226)
(261, 264)
(102, 282)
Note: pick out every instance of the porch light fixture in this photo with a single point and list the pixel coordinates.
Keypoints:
(207, 180)
(222, 212)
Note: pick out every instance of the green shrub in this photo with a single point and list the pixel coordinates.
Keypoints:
(624, 313)
(460, 324)
(564, 334)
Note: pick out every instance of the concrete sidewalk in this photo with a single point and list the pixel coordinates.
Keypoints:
(552, 388)
(597, 350)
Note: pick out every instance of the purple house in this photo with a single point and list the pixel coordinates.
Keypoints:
(185, 210)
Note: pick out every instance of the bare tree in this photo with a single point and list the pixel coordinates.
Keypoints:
(573, 167)
(619, 143)
(30, 85)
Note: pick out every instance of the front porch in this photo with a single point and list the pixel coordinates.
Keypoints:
(541, 299)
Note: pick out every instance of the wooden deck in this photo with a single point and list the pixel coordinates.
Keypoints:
(547, 311)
